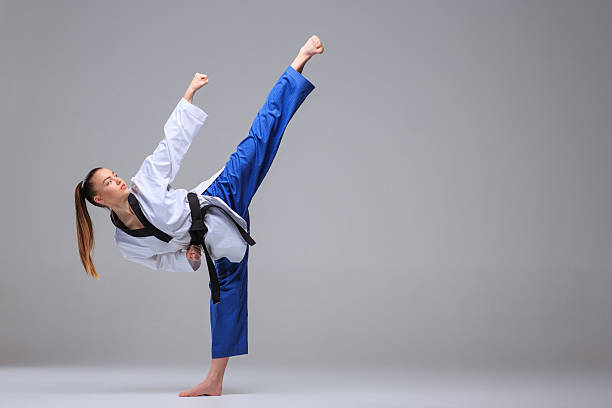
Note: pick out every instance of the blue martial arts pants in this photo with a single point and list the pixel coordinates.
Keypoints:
(236, 185)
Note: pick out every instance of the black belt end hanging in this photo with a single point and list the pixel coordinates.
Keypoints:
(197, 231)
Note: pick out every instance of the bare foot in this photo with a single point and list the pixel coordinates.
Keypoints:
(313, 46)
(206, 387)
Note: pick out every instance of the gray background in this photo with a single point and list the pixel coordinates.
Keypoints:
(441, 198)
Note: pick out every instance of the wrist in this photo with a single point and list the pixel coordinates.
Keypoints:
(189, 95)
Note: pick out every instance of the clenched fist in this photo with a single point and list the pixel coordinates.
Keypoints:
(194, 252)
(198, 81)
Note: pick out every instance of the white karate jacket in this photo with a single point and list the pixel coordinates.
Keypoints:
(168, 208)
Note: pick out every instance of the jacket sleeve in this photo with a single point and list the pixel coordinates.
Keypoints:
(169, 262)
(162, 166)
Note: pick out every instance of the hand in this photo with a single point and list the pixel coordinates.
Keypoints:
(198, 81)
(194, 252)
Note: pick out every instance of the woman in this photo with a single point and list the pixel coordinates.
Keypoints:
(153, 219)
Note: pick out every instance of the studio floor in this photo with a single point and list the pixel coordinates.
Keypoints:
(247, 386)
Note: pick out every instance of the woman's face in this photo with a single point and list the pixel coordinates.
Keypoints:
(111, 188)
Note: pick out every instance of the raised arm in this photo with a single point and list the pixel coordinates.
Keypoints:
(161, 167)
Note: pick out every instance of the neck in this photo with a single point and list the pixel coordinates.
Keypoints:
(123, 208)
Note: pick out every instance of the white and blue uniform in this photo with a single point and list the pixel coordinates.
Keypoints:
(232, 188)
(168, 209)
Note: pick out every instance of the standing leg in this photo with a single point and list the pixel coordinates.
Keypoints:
(213, 383)
(228, 321)
(236, 185)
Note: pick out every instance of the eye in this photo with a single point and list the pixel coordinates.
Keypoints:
(108, 182)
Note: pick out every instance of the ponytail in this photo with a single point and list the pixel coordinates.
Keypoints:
(84, 227)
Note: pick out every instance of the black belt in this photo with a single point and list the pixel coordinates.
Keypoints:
(198, 230)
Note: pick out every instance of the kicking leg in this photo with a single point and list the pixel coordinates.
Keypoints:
(248, 165)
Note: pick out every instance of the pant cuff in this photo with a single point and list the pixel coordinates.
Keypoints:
(301, 79)
(221, 354)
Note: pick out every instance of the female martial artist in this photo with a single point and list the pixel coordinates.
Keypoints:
(153, 220)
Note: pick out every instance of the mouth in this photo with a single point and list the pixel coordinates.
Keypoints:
(123, 186)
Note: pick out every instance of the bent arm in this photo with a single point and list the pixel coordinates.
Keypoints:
(169, 262)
